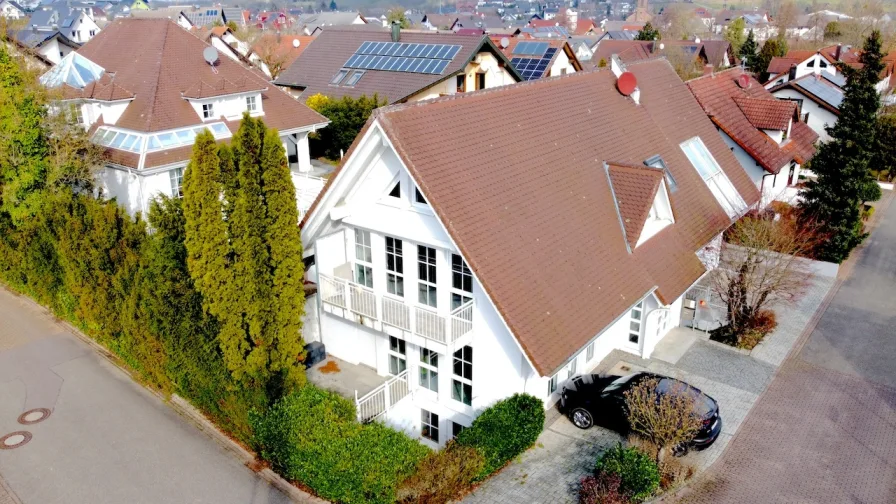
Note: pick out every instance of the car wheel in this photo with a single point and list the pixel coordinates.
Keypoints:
(581, 418)
(680, 450)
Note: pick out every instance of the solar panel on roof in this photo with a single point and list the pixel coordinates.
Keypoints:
(837, 79)
(533, 68)
(403, 57)
(824, 92)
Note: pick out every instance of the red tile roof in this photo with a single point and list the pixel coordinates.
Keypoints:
(549, 250)
(285, 47)
(718, 95)
(213, 85)
(628, 51)
(157, 61)
(557, 44)
(634, 188)
(767, 114)
(779, 65)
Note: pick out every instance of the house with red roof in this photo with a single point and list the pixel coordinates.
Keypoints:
(799, 63)
(766, 135)
(501, 241)
(539, 58)
(144, 88)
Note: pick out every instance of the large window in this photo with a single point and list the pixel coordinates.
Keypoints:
(461, 282)
(715, 178)
(429, 425)
(634, 326)
(426, 265)
(397, 355)
(394, 267)
(363, 258)
(429, 369)
(176, 177)
(462, 382)
(208, 110)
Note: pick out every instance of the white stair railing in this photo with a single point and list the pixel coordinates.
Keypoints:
(380, 400)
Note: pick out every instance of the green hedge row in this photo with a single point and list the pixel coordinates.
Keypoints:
(311, 436)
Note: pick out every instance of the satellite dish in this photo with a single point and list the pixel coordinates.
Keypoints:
(626, 83)
(211, 55)
(696, 40)
(743, 81)
(662, 46)
(296, 43)
(505, 42)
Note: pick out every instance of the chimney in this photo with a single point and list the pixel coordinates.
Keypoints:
(396, 31)
(707, 69)
(837, 52)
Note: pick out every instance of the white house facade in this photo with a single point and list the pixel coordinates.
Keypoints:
(406, 287)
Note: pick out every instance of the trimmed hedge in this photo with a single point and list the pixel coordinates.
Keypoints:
(639, 474)
(505, 430)
(311, 436)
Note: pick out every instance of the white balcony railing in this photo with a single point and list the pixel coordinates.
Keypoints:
(381, 399)
(392, 311)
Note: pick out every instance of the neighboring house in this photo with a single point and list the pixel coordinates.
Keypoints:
(282, 50)
(587, 27)
(143, 89)
(275, 21)
(551, 30)
(203, 16)
(472, 265)
(311, 23)
(710, 52)
(584, 47)
(534, 59)
(223, 39)
(235, 15)
(628, 51)
(11, 10)
(641, 14)
(74, 22)
(818, 97)
(438, 22)
(352, 62)
(765, 134)
(50, 46)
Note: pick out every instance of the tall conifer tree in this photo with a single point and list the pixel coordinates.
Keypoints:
(843, 164)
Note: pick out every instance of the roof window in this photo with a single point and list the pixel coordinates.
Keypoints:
(657, 162)
(725, 193)
(353, 78)
(339, 76)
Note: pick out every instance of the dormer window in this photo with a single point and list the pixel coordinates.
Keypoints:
(251, 104)
(208, 110)
(657, 162)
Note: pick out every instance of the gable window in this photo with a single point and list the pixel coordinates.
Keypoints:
(634, 326)
(394, 267)
(589, 352)
(418, 197)
(426, 266)
(480, 81)
(397, 355)
(396, 191)
(462, 83)
(176, 176)
(363, 258)
(429, 369)
(92, 32)
(461, 282)
(811, 64)
(208, 110)
(822, 64)
(429, 425)
(715, 178)
(462, 383)
(251, 105)
(339, 76)
(353, 78)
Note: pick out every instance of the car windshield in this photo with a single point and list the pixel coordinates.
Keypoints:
(703, 403)
(618, 383)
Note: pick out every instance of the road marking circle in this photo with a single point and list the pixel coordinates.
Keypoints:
(14, 440)
(34, 416)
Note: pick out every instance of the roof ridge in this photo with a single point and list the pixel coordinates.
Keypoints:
(154, 91)
(716, 74)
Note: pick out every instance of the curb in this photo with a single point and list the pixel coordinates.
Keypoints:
(182, 407)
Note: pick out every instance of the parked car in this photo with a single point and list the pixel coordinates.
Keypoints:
(590, 399)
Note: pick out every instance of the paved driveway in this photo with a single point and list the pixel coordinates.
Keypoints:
(107, 440)
(825, 431)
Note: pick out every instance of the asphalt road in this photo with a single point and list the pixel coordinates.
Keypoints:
(825, 430)
(107, 440)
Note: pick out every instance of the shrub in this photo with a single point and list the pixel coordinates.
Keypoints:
(674, 471)
(505, 430)
(638, 473)
(311, 436)
(442, 476)
(602, 489)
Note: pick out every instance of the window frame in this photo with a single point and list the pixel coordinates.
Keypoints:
(462, 384)
(552, 385)
(398, 355)
(354, 74)
(339, 77)
(208, 110)
(176, 178)
(428, 375)
(457, 428)
(713, 176)
(460, 295)
(573, 366)
(251, 104)
(589, 352)
(636, 320)
(427, 276)
(363, 269)
(394, 266)
(429, 425)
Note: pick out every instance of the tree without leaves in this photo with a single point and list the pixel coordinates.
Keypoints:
(843, 164)
(785, 18)
(761, 263)
(666, 419)
(686, 65)
(648, 32)
(272, 54)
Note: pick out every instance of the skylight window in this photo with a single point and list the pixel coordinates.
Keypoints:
(657, 162)
(715, 178)
(354, 78)
(136, 142)
(339, 76)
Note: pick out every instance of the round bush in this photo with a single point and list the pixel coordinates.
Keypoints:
(505, 430)
(638, 473)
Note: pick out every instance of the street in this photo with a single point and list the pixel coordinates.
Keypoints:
(824, 430)
(106, 439)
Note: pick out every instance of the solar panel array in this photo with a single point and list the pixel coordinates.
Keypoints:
(546, 31)
(533, 68)
(533, 48)
(401, 57)
(827, 93)
(837, 79)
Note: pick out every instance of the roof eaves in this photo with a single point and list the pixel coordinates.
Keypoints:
(616, 205)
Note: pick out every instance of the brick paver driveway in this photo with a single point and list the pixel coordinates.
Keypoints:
(825, 430)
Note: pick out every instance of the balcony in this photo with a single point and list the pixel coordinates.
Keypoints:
(382, 312)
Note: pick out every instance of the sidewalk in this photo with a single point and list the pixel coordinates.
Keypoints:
(550, 471)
